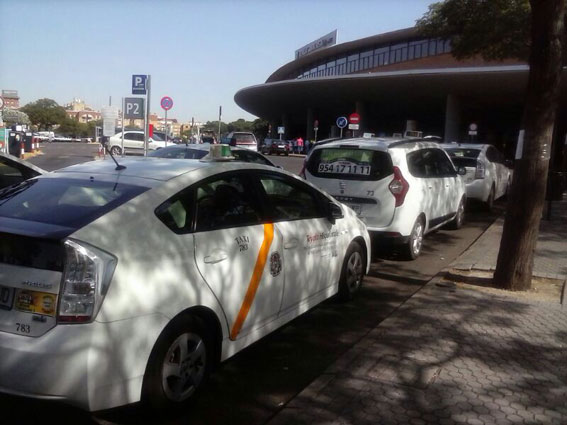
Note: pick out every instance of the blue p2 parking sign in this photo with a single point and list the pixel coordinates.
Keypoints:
(139, 84)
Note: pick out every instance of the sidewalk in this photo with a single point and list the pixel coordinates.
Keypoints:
(452, 355)
(550, 260)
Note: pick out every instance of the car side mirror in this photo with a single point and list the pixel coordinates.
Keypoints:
(461, 171)
(335, 212)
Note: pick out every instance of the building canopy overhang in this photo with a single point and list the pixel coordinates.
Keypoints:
(494, 86)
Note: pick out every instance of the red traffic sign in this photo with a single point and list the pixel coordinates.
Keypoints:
(166, 103)
(354, 118)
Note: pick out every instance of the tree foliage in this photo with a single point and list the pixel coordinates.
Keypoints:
(494, 29)
(45, 113)
(13, 116)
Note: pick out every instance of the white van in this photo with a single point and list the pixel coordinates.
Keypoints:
(400, 188)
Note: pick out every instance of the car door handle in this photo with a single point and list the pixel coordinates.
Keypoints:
(216, 257)
(292, 244)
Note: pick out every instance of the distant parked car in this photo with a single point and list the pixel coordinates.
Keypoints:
(134, 142)
(276, 147)
(241, 139)
(400, 188)
(488, 175)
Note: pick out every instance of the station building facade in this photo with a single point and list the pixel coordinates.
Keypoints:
(398, 81)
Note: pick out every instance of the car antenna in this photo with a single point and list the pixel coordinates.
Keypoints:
(105, 144)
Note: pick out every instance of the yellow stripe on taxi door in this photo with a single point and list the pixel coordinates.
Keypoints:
(254, 280)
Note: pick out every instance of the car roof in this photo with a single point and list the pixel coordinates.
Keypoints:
(161, 169)
(379, 143)
(479, 146)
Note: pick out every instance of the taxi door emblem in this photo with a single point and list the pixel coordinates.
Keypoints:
(342, 187)
(275, 264)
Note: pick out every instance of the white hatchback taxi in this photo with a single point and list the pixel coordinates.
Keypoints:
(118, 285)
(488, 175)
(401, 188)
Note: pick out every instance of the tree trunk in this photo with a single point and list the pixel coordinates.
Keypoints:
(525, 204)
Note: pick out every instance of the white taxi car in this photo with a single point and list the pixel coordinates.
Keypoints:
(129, 284)
(488, 175)
(401, 188)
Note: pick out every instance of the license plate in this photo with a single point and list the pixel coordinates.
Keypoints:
(344, 168)
(6, 297)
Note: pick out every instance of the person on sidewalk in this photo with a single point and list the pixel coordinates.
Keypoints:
(299, 145)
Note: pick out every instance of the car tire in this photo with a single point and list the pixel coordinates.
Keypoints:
(413, 246)
(352, 272)
(287, 154)
(116, 150)
(179, 365)
(489, 204)
(459, 219)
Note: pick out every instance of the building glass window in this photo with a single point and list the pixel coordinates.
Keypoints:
(331, 68)
(366, 60)
(432, 47)
(440, 46)
(341, 66)
(321, 70)
(381, 56)
(352, 65)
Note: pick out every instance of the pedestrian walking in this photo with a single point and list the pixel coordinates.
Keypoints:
(299, 145)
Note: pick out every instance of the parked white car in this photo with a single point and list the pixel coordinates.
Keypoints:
(129, 284)
(134, 142)
(488, 175)
(401, 188)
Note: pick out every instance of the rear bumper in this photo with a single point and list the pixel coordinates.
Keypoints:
(388, 237)
(93, 366)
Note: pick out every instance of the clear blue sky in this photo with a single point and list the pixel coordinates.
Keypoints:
(198, 52)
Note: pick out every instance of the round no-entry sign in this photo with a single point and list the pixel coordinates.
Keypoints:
(354, 118)
(166, 103)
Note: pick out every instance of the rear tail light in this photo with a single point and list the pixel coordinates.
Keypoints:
(86, 277)
(480, 170)
(399, 187)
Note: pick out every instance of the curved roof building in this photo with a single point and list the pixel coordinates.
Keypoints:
(395, 81)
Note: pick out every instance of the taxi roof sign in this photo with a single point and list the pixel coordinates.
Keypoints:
(218, 152)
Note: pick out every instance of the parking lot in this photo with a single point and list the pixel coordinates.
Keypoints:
(255, 384)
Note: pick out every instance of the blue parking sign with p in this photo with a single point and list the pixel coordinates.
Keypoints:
(139, 84)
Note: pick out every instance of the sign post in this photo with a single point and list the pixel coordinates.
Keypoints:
(315, 128)
(281, 130)
(354, 122)
(133, 108)
(141, 84)
(473, 130)
(166, 103)
(342, 123)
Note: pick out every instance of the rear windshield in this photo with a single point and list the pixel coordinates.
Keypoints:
(350, 164)
(64, 202)
(463, 153)
(244, 139)
(464, 162)
(179, 153)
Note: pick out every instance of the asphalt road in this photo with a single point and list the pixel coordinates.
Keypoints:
(255, 384)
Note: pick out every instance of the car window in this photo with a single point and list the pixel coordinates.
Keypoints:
(350, 163)
(178, 153)
(10, 175)
(463, 152)
(290, 200)
(430, 163)
(65, 202)
(250, 156)
(225, 202)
